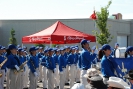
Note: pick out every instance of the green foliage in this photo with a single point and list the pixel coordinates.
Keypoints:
(40, 45)
(54, 45)
(12, 39)
(103, 35)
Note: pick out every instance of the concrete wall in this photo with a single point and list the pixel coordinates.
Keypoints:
(27, 27)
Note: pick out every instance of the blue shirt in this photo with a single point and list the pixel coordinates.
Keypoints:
(12, 61)
(76, 58)
(86, 59)
(33, 63)
(79, 62)
(56, 59)
(43, 63)
(1, 60)
(107, 67)
(71, 59)
(62, 62)
(50, 63)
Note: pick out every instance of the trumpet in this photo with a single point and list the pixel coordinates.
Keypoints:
(21, 68)
(3, 64)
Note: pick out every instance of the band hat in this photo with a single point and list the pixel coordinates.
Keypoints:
(129, 75)
(91, 72)
(118, 83)
(106, 47)
(50, 49)
(20, 50)
(84, 41)
(129, 48)
(116, 44)
(32, 49)
(11, 46)
(93, 48)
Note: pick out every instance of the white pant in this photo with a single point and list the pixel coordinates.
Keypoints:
(77, 73)
(45, 82)
(14, 84)
(56, 76)
(41, 72)
(62, 79)
(33, 81)
(2, 79)
(67, 73)
(26, 76)
(50, 76)
(8, 79)
(82, 78)
(20, 80)
(72, 75)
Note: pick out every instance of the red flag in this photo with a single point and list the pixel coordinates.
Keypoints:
(93, 16)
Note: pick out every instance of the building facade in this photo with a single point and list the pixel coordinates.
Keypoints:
(122, 30)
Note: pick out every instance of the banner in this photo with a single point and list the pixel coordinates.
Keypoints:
(122, 66)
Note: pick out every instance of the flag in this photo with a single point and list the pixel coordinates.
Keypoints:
(93, 16)
(122, 66)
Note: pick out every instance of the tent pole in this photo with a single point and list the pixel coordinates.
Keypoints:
(22, 45)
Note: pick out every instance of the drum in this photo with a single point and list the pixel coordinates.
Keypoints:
(120, 52)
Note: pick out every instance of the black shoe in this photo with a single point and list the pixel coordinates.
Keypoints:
(25, 88)
(40, 81)
(44, 88)
(78, 82)
(66, 83)
(38, 86)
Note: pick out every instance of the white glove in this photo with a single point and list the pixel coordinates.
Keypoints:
(35, 73)
(54, 70)
(17, 67)
(61, 72)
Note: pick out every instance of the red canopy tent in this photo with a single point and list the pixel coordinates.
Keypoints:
(58, 33)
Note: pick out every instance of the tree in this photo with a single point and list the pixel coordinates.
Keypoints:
(40, 45)
(54, 45)
(103, 36)
(12, 39)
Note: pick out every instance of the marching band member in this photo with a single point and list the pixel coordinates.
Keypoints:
(40, 55)
(129, 52)
(86, 58)
(51, 69)
(2, 68)
(26, 75)
(71, 62)
(62, 68)
(107, 68)
(43, 63)
(57, 52)
(21, 74)
(77, 71)
(34, 65)
(13, 65)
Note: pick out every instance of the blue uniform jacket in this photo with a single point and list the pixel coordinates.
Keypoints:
(50, 63)
(79, 62)
(43, 63)
(56, 59)
(95, 59)
(76, 58)
(107, 67)
(1, 60)
(62, 62)
(86, 58)
(71, 59)
(33, 63)
(12, 61)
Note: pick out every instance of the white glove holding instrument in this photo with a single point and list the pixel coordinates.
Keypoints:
(17, 67)
(35, 73)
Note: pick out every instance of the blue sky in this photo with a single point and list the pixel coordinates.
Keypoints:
(61, 9)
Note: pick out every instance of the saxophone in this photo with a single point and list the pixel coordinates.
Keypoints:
(21, 68)
(3, 64)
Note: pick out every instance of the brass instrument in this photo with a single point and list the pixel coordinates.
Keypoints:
(21, 67)
(3, 64)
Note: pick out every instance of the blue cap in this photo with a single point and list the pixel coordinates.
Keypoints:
(77, 48)
(1, 47)
(18, 46)
(11, 46)
(129, 48)
(32, 49)
(50, 49)
(37, 47)
(20, 50)
(116, 44)
(105, 47)
(84, 41)
(40, 47)
(61, 49)
(45, 51)
(24, 47)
